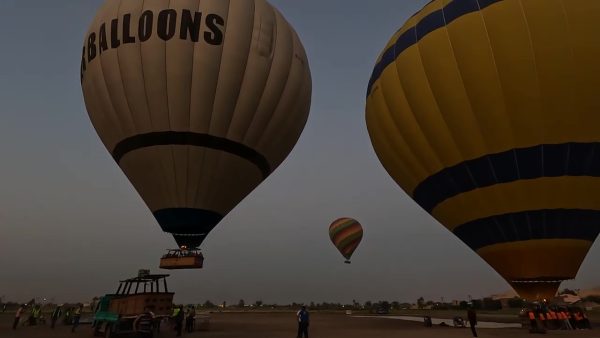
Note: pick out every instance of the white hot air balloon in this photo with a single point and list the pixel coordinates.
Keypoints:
(198, 101)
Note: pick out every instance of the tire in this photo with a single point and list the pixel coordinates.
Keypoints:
(108, 331)
(96, 330)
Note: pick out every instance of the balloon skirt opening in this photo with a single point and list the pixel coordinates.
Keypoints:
(536, 290)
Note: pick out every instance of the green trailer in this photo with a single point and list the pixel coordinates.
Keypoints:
(137, 307)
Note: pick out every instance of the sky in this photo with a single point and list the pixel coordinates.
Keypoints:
(71, 225)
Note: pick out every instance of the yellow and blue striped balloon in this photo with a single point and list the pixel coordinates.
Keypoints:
(486, 112)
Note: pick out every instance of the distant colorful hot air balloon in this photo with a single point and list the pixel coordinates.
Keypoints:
(487, 114)
(197, 101)
(346, 234)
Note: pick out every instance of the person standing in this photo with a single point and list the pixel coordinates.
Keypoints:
(178, 317)
(472, 316)
(189, 319)
(18, 316)
(76, 316)
(36, 311)
(55, 315)
(303, 322)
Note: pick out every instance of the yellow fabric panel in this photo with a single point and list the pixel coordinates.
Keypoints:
(512, 51)
(554, 67)
(475, 60)
(583, 18)
(392, 92)
(566, 192)
(536, 258)
(390, 146)
(446, 84)
(424, 107)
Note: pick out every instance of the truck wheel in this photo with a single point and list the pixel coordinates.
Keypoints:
(108, 331)
(96, 329)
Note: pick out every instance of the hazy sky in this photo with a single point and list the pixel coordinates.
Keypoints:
(71, 225)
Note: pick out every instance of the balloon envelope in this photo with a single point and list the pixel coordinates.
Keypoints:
(197, 101)
(346, 234)
(486, 114)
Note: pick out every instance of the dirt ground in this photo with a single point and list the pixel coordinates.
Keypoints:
(282, 325)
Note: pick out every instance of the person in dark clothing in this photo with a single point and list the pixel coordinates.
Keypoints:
(303, 322)
(472, 316)
(189, 319)
(178, 316)
(55, 315)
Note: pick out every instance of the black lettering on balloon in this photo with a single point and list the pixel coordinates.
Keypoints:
(145, 26)
(114, 34)
(102, 42)
(127, 38)
(83, 67)
(167, 19)
(190, 25)
(91, 54)
(215, 24)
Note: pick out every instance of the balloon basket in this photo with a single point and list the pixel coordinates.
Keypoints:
(347, 262)
(182, 259)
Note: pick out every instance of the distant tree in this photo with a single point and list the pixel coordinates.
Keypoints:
(384, 305)
(258, 303)
(241, 303)
(516, 303)
(477, 304)
(421, 302)
(491, 304)
(463, 304)
(395, 305)
(566, 291)
(312, 305)
(594, 299)
(208, 304)
(368, 305)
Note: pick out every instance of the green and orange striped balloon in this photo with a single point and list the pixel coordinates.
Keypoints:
(346, 234)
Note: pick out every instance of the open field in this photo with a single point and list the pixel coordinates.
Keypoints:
(281, 325)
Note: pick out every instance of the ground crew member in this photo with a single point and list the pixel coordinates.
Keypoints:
(178, 316)
(76, 317)
(566, 325)
(189, 319)
(18, 316)
(472, 317)
(532, 320)
(303, 322)
(35, 315)
(55, 315)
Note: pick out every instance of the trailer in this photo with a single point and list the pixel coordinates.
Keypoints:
(137, 307)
